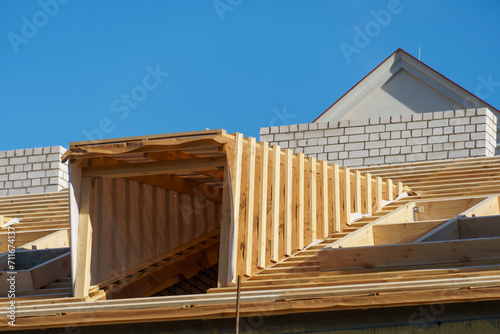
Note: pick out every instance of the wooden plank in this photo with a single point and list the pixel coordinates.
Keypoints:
(263, 205)
(399, 233)
(236, 192)
(288, 203)
(413, 254)
(275, 203)
(226, 216)
(378, 194)
(479, 227)
(357, 192)
(155, 168)
(347, 196)
(82, 279)
(250, 207)
(400, 187)
(51, 271)
(336, 198)
(312, 198)
(390, 196)
(300, 202)
(324, 198)
(368, 193)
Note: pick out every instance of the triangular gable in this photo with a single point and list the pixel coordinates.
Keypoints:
(401, 84)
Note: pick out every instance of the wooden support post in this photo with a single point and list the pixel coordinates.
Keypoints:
(275, 204)
(336, 198)
(390, 194)
(300, 203)
(82, 279)
(347, 195)
(357, 192)
(378, 194)
(324, 197)
(400, 188)
(312, 197)
(369, 200)
(225, 224)
(263, 205)
(236, 194)
(250, 207)
(288, 204)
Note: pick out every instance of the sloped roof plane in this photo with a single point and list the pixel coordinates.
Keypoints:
(401, 84)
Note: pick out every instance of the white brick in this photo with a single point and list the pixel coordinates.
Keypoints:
(405, 149)
(358, 154)
(323, 156)
(460, 121)
(343, 139)
(344, 123)
(374, 136)
(437, 155)
(406, 134)
(302, 142)
(396, 135)
(17, 176)
(374, 120)
(449, 114)
(385, 151)
(268, 138)
(333, 140)
(438, 115)
(51, 189)
(313, 134)
(353, 162)
(416, 149)
(354, 146)
(448, 146)
(333, 125)
(416, 125)
(417, 141)
(323, 125)
(459, 129)
(13, 192)
(375, 144)
(26, 183)
(460, 113)
(298, 135)
(437, 147)
(426, 132)
(416, 157)
(478, 120)
(416, 117)
(375, 128)
(322, 141)
(396, 119)
(264, 131)
(334, 132)
(283, 136)
(8, 184)
(437, 139)
(10, 154)
(458, 154)
(38, 174)
(374, 152)
(358, 138)
(18, 161)
(313, 149)
(374, 161)
(470, 128)
(294, 127)
(477, 152)
(395, 126)
(35, 190)
(18, 184)
(53, 157)
(470, 144)
(385, 119)
(416, 133)
(284, 129)
(354, 130)
(476, 136)
(428, 148)
(333, 156)
(312, 142)
(481, 111)
(427, 116)
(406, 118)
(391, 159)
(448, 130)
(480, 143)
(343, 155)
(395, 150)
(385, 135)
(292, 144)
(38, 150)
(4, 177)
(272, 129)
(438, 123)
(470, 112)
(396, 142)
(359, 122)
(303, 127)
(459, 137)
(19, 152)
(459, 145)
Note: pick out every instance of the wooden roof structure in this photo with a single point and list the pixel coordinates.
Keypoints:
(303, 235)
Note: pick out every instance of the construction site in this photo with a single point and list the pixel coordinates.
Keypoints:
(214, 232)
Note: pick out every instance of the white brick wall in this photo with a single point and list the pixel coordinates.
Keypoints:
(392, 139)
(32, 170)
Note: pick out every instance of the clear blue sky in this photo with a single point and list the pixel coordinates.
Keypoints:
(81, 69)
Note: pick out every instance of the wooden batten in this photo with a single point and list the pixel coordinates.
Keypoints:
(324, 199)
(300, 202)
(378, 194)
(336, 199)
(347, 196)
(288, 203)
(275, 204)
(250, 199)
(82, 277)
(368, 194)
(312, 198)
(263, 206)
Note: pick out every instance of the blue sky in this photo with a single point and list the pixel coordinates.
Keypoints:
(76, 70)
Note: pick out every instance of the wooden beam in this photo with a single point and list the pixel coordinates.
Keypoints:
(336, 198)
(225, 224)
(399, 233)
(390, 196)
(155, 168)
(312, 198)
(413, 254)
(263, 205)
(82, 279)
(347, 195)
(300, 202)
(400, 188)
(357, 192)
(479, 227)
(275, 204)
(378, 194)
(236, 196)
(324, 198)
(368, 194)
(288, 204)
(250, 207)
